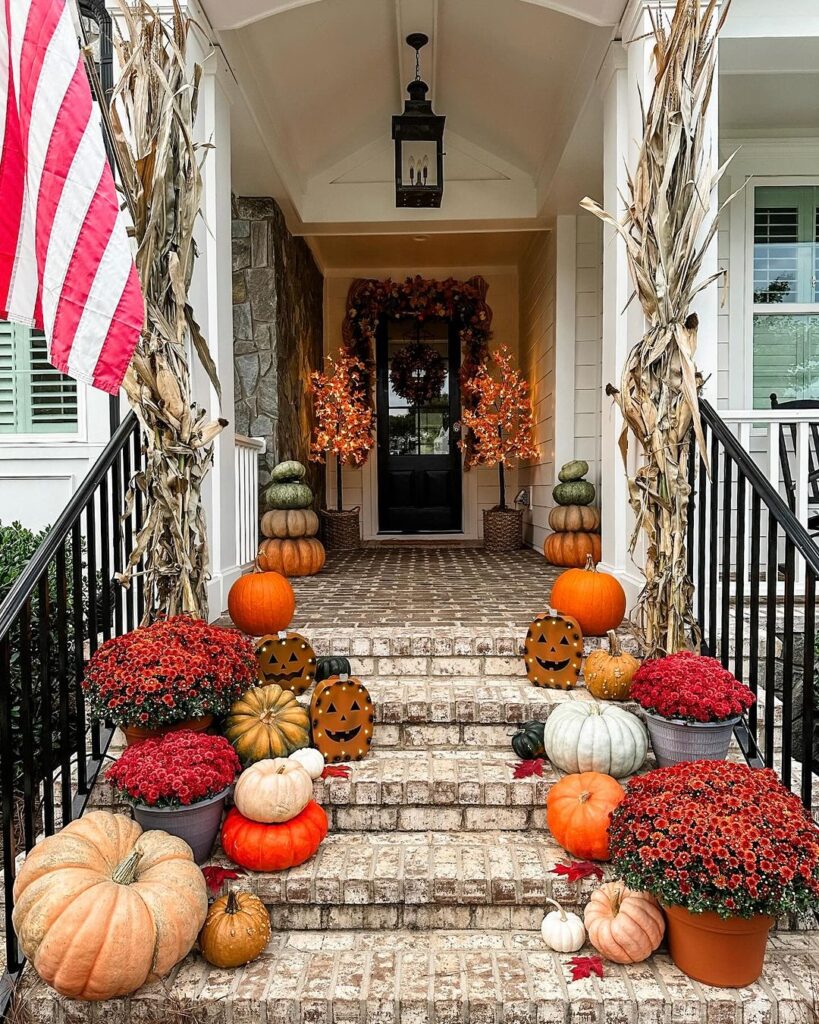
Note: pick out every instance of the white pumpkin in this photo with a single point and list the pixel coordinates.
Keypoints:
(584, 736)
(310, 759)
(562, 931)
(273, 790)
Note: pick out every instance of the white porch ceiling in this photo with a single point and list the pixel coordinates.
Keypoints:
(320, 79)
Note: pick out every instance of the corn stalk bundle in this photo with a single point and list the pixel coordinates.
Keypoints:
(666, 231)
(152, 115)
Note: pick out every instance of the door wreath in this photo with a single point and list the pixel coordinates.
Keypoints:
(417, 373)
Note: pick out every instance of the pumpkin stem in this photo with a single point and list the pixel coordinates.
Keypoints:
(125, 872)
(590, 566)
(558, 907)
(232, 905)
(617, 899)
(614, 644)
(585, 796)
(281, 769)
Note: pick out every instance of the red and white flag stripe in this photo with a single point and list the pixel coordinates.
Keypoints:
(65, 259)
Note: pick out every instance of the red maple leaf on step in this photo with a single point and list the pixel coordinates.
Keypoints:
(525, 769)
(577, 869)
(215, 877)
(585, 966)
(336, 771)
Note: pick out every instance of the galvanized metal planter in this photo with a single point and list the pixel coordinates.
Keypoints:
(675, 740)
(197, 824)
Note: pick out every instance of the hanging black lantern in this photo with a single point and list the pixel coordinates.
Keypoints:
(419, 142)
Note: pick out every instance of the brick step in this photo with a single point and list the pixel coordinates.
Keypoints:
(435, 790)
(441, 977)
(419, 880)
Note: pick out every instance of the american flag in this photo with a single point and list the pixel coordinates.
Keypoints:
(65, 260)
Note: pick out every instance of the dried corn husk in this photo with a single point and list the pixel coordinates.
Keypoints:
(152, 116)
(666, 232)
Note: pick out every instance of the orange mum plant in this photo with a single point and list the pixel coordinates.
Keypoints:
(499, 415)
(344, 421)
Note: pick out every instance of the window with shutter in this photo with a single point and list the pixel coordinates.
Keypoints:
(34, 397)
(785, 293)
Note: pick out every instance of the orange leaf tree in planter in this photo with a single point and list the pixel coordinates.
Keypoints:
(500, 417)
(344, 420)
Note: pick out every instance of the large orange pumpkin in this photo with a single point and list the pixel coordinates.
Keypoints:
(572, 548)
(274, 847)
(578, 810)
(302, 556)
(261, 602)
(101, 907)
(624, 925)
(595, 599)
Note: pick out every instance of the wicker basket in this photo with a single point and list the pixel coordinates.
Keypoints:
(341, 529)
(502, 529)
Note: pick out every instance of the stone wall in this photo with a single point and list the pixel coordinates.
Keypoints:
(277, 333)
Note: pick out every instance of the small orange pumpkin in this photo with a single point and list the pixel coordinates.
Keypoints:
(261, 602)
(236, 930)
(578, 811)
(302, 556)
(572, 548)
(594, 598)
(624, 925)
(274, 847)
(608, 674)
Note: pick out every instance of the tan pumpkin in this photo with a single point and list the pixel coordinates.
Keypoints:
(290, 522)
(624, 925)
(608, 674)
(303, 556)
(571, 518)
(572, 549)
(267, 721)
(101, 907)
(236, 930)
(273, 790)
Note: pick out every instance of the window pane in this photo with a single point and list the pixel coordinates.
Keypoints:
(34, 397)
(786, 256)
(786, 358)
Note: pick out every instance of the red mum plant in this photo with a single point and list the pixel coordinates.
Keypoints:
(170, 671)
(691, 688)
(179, 769)
(718, 836)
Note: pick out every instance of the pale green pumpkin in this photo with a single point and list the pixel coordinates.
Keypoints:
(574, 470)
(581, 736)
(287, 471)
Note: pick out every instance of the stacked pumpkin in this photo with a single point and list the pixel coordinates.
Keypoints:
(575, 522)
(290, 525)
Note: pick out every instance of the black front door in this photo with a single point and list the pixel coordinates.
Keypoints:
(419, 462)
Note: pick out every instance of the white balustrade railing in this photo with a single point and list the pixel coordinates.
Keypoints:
(759, 432)
(246, 456)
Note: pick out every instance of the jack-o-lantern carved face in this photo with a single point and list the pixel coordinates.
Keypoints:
(553, 651)
(286, 659)
(341, 714)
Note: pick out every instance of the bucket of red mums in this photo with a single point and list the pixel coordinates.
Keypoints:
(691, 705)
(725, 849)
(173, 674)
(178, 784)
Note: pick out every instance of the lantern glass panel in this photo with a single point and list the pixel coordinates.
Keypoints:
(419, 163)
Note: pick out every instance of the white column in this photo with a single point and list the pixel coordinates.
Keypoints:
(565, 329)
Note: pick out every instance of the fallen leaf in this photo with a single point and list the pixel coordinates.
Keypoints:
(215, 877)
(525, 769)
(585, 966)
(336, 771)
(577, 869)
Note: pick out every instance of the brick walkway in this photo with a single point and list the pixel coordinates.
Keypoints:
(424, 586)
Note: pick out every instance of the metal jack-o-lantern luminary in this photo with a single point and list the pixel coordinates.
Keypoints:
(341, 716)
(553, 651)
(419, 143)
(286, 659)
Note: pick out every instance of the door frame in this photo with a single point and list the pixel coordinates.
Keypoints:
(468, 481)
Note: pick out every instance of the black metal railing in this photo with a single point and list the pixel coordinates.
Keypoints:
(61, 607)
(755, 570)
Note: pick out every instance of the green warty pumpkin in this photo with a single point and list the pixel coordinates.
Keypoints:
(288, 495)
(576, 492)
(288, 471)
(528, 741)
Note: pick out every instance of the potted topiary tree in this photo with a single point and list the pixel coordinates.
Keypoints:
(499, 414)
(344, 424)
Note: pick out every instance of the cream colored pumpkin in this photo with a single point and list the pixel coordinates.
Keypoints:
(290, 522)
(583, 736)
(562, 931)
(273, 790)
(624, 925)
(571, 518)
(310, 759)
(101, 907)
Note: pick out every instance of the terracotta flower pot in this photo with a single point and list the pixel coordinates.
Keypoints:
(728, 952)
(137, 733)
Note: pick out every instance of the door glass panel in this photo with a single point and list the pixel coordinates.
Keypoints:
(418, 415)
